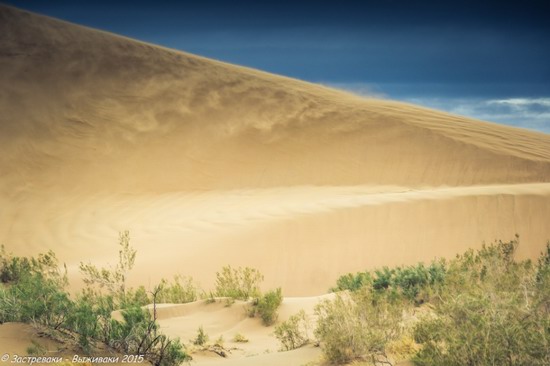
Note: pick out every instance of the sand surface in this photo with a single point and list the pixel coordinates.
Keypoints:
(210, 164)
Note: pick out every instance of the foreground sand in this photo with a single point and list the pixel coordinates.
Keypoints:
(209, 164)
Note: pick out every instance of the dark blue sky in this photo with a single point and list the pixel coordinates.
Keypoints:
(486, 59)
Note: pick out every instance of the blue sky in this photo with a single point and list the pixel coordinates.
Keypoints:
(485, 59)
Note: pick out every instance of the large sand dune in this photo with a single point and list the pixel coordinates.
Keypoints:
(209, 164)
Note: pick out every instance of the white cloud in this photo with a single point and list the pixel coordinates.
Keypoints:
(522, 102)
(531, 113)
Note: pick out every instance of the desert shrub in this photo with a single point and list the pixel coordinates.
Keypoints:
(34, 290)
(417, 284)
(293, 333)
(201, 338)
(138, 334)
(240, 283)
(113, 279)
(219, 342)
(239, 338)
(36, 349)
(352, 282)
(358, 326)
(139, 296)
(83, 320)
(492, 312)
(403, 348)
(170, 352)
(382, 278)
(182, 290)
(268, 304)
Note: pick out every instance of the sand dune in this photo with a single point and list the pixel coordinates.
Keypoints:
(87, 109)
(219, 320)
(209, 164)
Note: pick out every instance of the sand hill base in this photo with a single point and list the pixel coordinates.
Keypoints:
(209, 164)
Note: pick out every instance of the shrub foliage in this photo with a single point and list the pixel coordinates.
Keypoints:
(33, 290)
(358, 326)
(486, 308)
(293, 333)
(238, 283)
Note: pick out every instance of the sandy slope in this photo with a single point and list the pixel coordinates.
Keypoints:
(209, 164)
(219, 319)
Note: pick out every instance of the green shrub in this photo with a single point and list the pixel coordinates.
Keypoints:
(36, 349)
(293, 333)
(32, 290)
(239, 338)
(113, 279)
(268, 304)
(491, 312)
(138, 297)
(201, 338)
(358, 326)
(352, 282)
(182, 290)
(240, 283)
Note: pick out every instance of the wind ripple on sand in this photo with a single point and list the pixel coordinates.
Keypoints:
(172, 231)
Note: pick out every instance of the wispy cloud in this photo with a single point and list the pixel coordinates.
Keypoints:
(362, 89)
(530, 113)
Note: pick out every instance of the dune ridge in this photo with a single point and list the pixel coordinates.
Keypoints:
(145, 118)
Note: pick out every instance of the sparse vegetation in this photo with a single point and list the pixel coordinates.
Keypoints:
(239, 338)
(417, 283)
(36, 349)
(238, 283)
(267, 306)
(33, 291)
(486, 308)
(293, 333)
(113, 279)
(358, 326)
(182, 290)
(493, 311)
(481, 308)
(201, 338)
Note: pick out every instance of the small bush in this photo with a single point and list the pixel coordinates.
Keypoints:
(293, 333)
(352, 282)
(239, 338)
(358, 326)
(113, 279)
(219, 342)
(240, 283)
(201, 338)
(34, 290)
(36, 349)
(268, 305)
(138, 297)
(182, 290)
